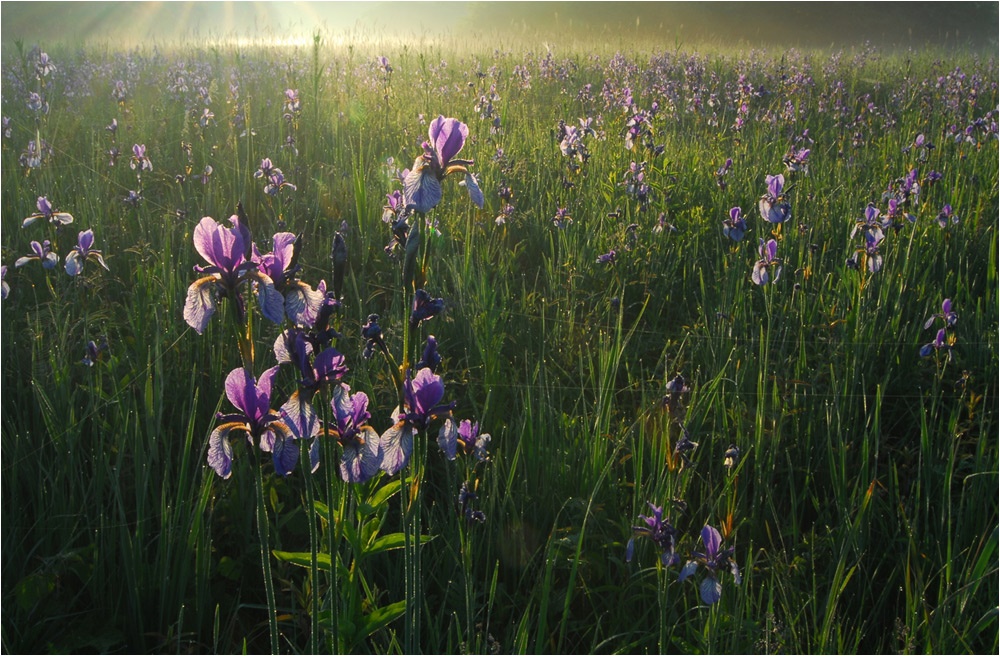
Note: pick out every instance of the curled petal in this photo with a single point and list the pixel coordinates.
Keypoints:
(300, 417)
(285, 454)
(302, 303)
(475, 193)
(220, 451)
(74, 263)
(629, 550)
(395, 446)
(200, 303)
(421, 188)
(688, 569)
(272, 303)
(759, 275)
(361, 459)
(448, 438)
(711, 590)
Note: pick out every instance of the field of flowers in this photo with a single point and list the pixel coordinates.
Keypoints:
(462, 349)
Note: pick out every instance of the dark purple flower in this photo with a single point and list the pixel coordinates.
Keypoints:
(950, 318)
(372, 332)
(465, 499)
(720, 175)
(255, 418)
(46, 212)
(422, 404)
(940, 342)
(562, 218)
(797, 161)
(266, 168)
(81, 252)
(768, 259)
(714, 559)
(874, 257)
(301, 302)
(945, 216)
(276, 182)
(41, 252)
(422, 187)
(731, 457)
(93, 352)
(659, 530)
(424, 308)
(607, 258)
(734, 227)
(359, 442)
(465, 439)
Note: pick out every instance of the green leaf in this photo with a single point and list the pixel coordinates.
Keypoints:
(304, 559)
(378, 619)
(392, 541)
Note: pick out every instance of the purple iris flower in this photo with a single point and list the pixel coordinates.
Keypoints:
(276, 182)
(46, 212)
(874, 257)
(422, 187)
(395, 205)
(465, 499)
(296, 347)
(94, 352)
(372, 332)
(607, 258)
(797, 161)
(301, 302)
(946, 216)
(940, 342)
(266, 168)
(767, 260)
(359, 442)
(422, 404)
(659, 530)
(41, 252)
(950, 318)
(871, 222)
(225, 250)
(772, 208)
(720, 175)
(82, 251)
(562, 218)
(713, 559)
(255, 418)
(139, 159)
(734, 227)
(424, 308)
(731, 457)
(4, 287)
(465, 438)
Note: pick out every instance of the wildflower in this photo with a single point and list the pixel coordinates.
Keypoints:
(562, 218)
(731, 457)
(266, 168)
(720, 175)
(225, 250)
(81, 252)
(133, 198)
(659, 530)
(713, 559)
(44, 65)
(734, 227)
(424, 308)
(4, 287)
(372, 332)
(35, 154)
(292, 103)
(422, 404)
(465, 437)
(276, 182)
(45, 211)
(872, 241)
(41, 252)
(206, 117)
(945, 216)
(261, 424)
(139, 159)
(675, 389)
(37, 104)
(93, 352)
(685, 446)
(771, 205)
(295, 347)
(870, 223)
(797, 161)
(950, 318)
(422, 187)
(301, 302)
(394, 207)
(465, 499)
(607, 258)
(940, 342)
(767, 252)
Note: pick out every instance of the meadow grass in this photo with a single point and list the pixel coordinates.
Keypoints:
(862, 506)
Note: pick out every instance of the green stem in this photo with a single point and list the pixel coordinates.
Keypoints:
(263, 532)
(314, 551)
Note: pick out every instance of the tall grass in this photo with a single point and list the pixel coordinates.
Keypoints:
(862, 507)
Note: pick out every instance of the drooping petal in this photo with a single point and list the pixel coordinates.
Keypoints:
(264, 386)
(287, 344)
(421, 188)
(241, 391)
(200, 303)
(302, 303)
(688, 569)
(395, 446)
(475, 193)
(734, 569)
(711, 590)
(74, 263)
(759, 275)
(629, 550)
(272, 303)
(285, 454)
(360, 460)
(220, 451)
(300, 417)
(448, 438)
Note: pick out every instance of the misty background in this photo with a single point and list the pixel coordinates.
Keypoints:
(887, 25)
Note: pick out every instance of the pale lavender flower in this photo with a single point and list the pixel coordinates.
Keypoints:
(139, 159)
(949, 317)
(422, 187)
(714, 559)
(45, 211)
(41, 252)
(465, 439)
(767, 260)
(4, 287)
(771, 206)
(81, 252)
(734, 227)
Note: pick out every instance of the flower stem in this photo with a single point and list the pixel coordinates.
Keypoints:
(263, 532)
